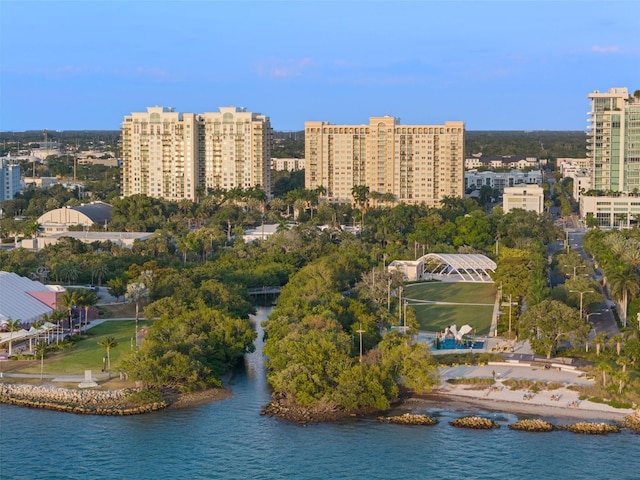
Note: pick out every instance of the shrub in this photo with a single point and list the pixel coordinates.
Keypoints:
(471, 381)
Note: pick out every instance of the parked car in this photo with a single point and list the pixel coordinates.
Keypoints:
(91, 287)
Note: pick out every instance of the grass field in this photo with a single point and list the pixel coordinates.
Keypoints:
(86, 354)
(435, 318)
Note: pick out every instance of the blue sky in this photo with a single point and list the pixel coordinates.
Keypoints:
(501, 65)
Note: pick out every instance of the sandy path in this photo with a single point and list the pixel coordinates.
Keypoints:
(561, 402)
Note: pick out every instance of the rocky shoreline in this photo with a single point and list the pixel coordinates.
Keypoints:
(86, 402)
(286, 409)
(101, 402)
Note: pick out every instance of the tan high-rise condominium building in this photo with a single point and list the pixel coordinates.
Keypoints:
(171, 155)
(613, 140)
(409, 163)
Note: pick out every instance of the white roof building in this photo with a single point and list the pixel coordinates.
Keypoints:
(462, 267)
(24, 299)
(122, 239)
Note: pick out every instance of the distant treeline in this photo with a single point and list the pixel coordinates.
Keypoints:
(540, 143)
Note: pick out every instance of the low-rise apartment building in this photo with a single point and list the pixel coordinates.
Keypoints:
(529, 197)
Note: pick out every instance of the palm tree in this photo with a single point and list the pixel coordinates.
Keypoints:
(40, 349)
(70, 271)
(299, 206)
(136, 292)
(361, 195)
(622, 377)
(617, 341)
(69, 300)
(86, 299)
(605, 367)
(58, 316)
(31, 228)
(37, 324)
(12, 326)
(625, 285)
(600, 340)
(108, 343)
(99, 269)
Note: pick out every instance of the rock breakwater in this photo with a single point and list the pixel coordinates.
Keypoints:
(532, 425)
(409, 419)
(632, 422)
(591, 428)
(89, 402)
(478, 423)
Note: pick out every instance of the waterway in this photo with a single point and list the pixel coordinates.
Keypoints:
(230, 440)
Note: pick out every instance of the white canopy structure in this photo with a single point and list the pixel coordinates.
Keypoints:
(468, 267)
(24, 299)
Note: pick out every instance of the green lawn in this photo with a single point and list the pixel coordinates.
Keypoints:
(86, 354)
(459, 292)
(435, 318)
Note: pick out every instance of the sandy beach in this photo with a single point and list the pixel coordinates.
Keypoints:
(560, 402)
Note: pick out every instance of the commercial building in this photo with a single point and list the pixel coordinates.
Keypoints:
(502, 161)
(501, 180)
(530, 198)
(622, 211)
(171, 155)
(613, 140)
(408, 163)
(9, 179)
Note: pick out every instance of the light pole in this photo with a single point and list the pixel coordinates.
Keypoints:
(593, 313)
(400, 306)
(404, 319)
(360, 331)
(575, 268)
(509, 304)
(581, 293)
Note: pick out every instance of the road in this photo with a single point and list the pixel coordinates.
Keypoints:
(601, 318)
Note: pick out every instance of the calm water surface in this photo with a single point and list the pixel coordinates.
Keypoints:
(230, 440)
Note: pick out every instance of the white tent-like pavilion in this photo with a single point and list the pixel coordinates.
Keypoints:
(24, 299)
(455, 266)
(468, 267)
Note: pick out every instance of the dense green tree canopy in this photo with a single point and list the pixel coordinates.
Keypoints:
(549, 322)
(190, 351)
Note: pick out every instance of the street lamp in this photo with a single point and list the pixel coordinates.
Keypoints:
(581, 293)
(404, 318)
(509, 304)
(575, 268)
(360, 331)
(593, 313)
(400, 305)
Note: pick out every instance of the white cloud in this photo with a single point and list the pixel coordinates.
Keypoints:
(282, 68)
(606, 49)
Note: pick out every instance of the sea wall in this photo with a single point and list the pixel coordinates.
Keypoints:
(91, 402)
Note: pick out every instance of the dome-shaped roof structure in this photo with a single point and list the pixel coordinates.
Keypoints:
(86, 215)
